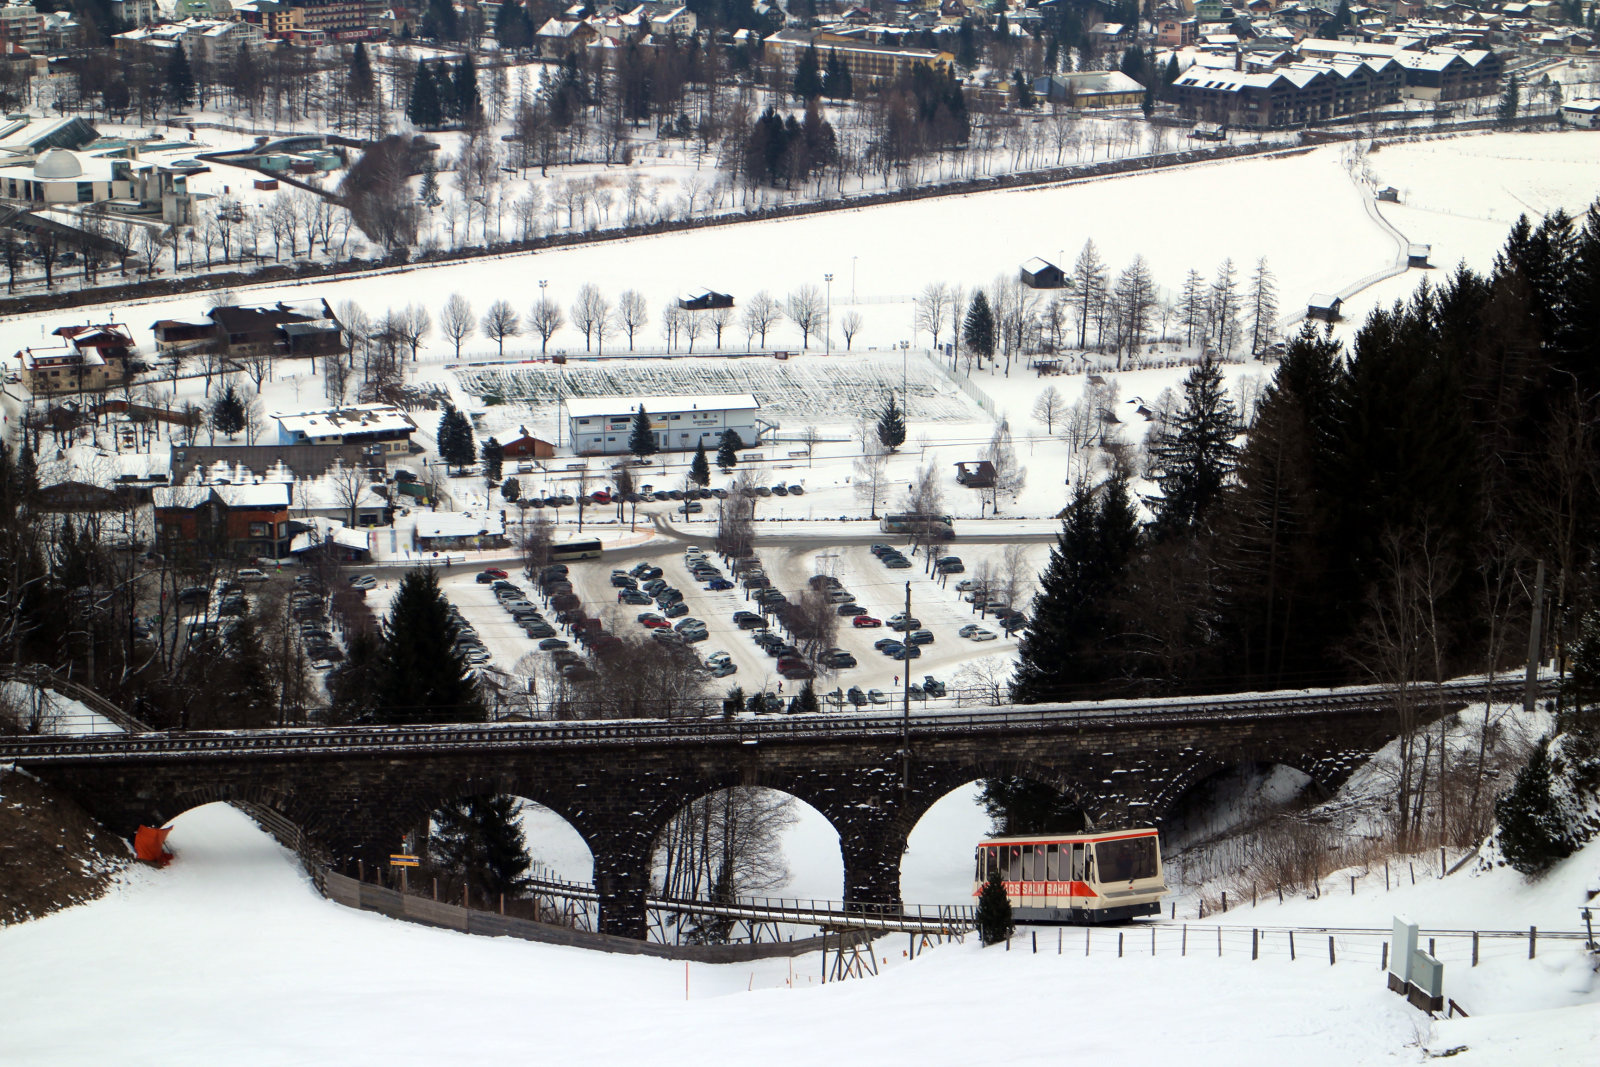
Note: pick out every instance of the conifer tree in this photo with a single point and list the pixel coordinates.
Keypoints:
(493, 455)
(807, 75)
(361, 80)
(456, 445)
(977, 332)
(1195, 456)
(1068, 639)
(1510, 101)
(891, 425)
(421, 677)
(1536, 829)
(479, 840)
(180, 79)
(728, 451)
(424, 110)
(700, 467)
(993, 916)
(227, 412)
(806, 701)
(468, 105)
(641, 442)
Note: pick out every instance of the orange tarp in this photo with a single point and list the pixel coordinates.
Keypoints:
(149, 844)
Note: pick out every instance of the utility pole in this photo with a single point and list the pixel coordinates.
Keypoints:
(1530, 685)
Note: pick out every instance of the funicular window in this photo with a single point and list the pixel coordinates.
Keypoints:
(1011, 858)
(1126, 860)
(1077, 862)
(1027, 864)
(1052, 872)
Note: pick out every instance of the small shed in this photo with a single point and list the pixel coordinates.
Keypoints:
(528, 447)
(1042, 274)
(704, 300)
(1389, 194)
(976, 474)
(1324, 308)
(1417, 254)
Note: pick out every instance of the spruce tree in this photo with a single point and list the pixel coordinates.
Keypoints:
(1195, 456)
(180, 79)
(493, 454)
(699, 467)
(468, 105)
(978, 331)
(807, 75)
(1070, 640)
(361, 80)
(456, 445)
(728, 451)
(805, 701)
(1535, 827)
(421, 677)
(428, 188)
(891, 425)
(1510, 101)
(479, 840)
(423, 109)
(641, 442)
(227, 412)
(993, 916)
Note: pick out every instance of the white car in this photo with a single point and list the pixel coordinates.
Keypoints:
(984, 635)
(363, 581)
(251, 574)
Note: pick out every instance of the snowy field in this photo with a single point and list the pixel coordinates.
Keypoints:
(228, 956)
(1462, 195)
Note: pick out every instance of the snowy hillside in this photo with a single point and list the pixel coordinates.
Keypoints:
(230, 956)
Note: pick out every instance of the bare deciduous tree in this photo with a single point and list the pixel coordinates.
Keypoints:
(546, 319)
(632, 313)
(456, 321)
(589, 313)
(1049, 408)
(869, 473)
(761, 313)
(804, 308)
(500, 322)
(850, 325)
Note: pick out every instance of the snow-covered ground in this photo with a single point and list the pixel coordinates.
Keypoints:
(48, 712)
(229, 956)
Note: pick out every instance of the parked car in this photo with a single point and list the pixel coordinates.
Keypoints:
(862, 622)
(985, 635)
(851, 609)
(623, 580)
(633, 596)
(886, 644)
(363, 582)
(717, 585)
(901, 621)
(897, 563)
(876, 696)
(908, 652)
(675, 609)
(251, 574)
(932, 686)
(856, 696)
(722, 670)
(920, 637)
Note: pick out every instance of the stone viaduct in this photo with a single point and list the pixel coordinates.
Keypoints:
(357, 791)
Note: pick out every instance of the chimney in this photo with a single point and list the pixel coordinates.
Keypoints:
(1238, 58)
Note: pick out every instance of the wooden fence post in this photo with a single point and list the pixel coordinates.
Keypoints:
(1383, 964)
(1183, 946)
(1119, 944)
(1330, 950)
(1255, 944)
(1474, 948)
(1219, 941)
(1291, 946)
(1035, 942)
(1533, 941)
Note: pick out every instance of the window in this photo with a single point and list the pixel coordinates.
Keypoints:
(1077, 863)
(1126, 860)
(261, 529)
(1052, 871)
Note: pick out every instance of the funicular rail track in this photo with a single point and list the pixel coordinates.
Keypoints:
(832, 915)
(421, 740)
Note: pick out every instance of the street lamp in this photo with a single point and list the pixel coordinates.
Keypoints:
(905, 374)
(827, 316)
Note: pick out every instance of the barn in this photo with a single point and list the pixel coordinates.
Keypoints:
(1042, 274)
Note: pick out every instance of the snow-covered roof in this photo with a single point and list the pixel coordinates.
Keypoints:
(337, 422)
(459, 523)
(591, 406)
(1035, 265)
(326, 530)
(254, 495)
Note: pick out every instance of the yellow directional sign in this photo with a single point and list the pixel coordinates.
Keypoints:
(401, 860)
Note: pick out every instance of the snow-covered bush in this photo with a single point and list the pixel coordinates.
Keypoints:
(1553, 807)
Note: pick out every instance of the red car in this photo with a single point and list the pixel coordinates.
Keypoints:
(657, 623)
(495, 572)
(600, 496)
(862, 622)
